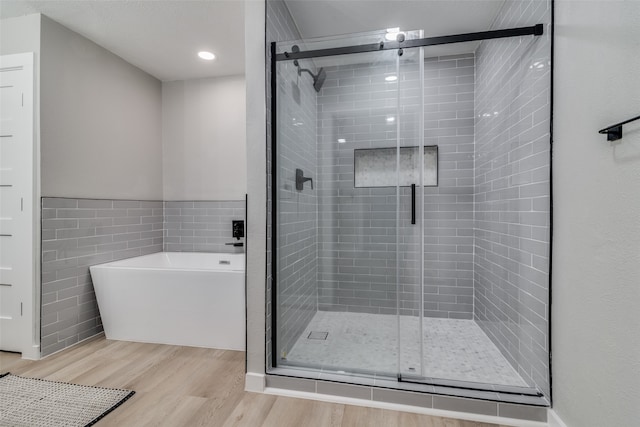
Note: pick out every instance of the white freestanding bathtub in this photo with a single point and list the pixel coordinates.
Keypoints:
(179, 298)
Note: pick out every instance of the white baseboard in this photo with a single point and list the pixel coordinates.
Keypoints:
(554, 419)
(405, 408)
(254, 382)
(32, 353)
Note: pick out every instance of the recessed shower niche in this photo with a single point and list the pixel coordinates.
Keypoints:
(380, 167)
(422, 248)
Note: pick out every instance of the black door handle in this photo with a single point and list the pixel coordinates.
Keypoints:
(413, 203)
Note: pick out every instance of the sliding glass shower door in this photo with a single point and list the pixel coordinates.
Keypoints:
(351, 169)
(337, 213)
(400, 234)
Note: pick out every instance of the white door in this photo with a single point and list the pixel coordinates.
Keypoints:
(16, 200)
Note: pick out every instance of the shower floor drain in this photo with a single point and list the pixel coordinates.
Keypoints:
(317, 335)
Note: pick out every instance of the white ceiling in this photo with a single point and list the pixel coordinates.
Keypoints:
(159, 37)
(162, 37)
(319, 18)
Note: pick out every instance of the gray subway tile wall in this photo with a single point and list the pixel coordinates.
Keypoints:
(358, 233)
(78, 233)
(512, 191)
(297, 210)
(202, 226)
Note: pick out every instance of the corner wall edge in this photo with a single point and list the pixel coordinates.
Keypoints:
(254, 382)
(554, 419)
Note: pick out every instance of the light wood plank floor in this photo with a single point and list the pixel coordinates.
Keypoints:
(186, 386)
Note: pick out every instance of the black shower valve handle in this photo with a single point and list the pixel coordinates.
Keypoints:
(301, 179)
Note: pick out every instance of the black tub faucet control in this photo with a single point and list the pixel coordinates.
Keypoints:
(237, 228)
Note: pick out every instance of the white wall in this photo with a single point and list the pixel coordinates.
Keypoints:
(596, 254)
(101, 121)
(20, 35)
(257, 192)
(203, 139)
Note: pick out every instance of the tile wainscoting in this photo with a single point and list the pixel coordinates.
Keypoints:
(201, 226)
(78, 233)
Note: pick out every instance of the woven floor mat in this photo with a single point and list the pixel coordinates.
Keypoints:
(34, 402)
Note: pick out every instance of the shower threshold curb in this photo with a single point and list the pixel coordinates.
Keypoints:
(441, 406)
(304, 379)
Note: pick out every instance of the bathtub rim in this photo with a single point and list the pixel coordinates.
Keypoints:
(112, 264)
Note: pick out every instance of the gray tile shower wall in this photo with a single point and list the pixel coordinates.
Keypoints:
(77, 233)
(357, 226)
(201, 226)
(512, 191)
(297, 210)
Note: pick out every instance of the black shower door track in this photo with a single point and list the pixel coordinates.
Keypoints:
(535, 30)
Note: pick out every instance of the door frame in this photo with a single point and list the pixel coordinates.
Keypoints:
(30, 343)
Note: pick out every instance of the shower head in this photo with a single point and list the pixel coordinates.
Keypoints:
(318, 79)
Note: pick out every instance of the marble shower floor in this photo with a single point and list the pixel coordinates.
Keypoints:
(453, 349)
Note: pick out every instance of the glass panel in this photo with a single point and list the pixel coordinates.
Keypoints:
(337, 245)
(296, 159)
(451, 345)
(410, 223)
(512, 203)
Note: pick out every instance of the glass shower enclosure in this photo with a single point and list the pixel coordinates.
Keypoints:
(401, 231)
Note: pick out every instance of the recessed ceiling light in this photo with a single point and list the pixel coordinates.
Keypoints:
(391, 78)
(392, 34)
(341, 140)
(391, 119)
(206, 55)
